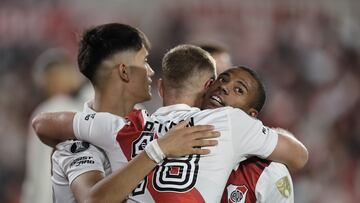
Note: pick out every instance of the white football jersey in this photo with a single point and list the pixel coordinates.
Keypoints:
(261, 181)
(192, 178)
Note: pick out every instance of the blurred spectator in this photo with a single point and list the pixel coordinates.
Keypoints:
(219, 53)
(58, 79)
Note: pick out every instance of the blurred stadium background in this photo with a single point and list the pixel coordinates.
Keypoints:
(307, 52)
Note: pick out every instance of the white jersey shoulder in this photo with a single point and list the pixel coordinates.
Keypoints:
(275, 185)
(71, 159)
(248, 135)
(101, 129)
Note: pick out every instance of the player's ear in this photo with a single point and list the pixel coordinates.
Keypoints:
(253, 112)
(160, 86)
(123, 72)
(209, 82)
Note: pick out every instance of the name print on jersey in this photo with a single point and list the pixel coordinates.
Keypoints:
(162, 128)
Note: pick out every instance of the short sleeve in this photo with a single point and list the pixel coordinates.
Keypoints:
(96, 128)
(250, 136)
(77, 163)
(275, 185)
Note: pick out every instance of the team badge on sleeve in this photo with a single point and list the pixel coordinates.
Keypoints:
(236, 194)
(283, 185)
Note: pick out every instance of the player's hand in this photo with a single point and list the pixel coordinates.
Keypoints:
(182, 140)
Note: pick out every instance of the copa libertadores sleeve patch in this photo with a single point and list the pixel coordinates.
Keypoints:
(283, 185)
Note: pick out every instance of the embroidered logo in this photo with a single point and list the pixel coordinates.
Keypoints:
(283, 185)
(236, 194)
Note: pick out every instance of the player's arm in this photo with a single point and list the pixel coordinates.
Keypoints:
(255, 139)
(55, 127)
(179, 141)
(83, 184)
(289, 151)
(83, 165)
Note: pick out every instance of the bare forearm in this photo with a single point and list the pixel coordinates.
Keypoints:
(290, 151)
(120, 184)
(53, 128)
(49, 142)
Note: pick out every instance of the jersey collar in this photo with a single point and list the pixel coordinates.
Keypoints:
(162, 111)
(88, 107)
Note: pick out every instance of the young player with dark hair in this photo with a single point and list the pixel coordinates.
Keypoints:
(113, 57)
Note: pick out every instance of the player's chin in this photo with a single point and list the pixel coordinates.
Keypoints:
(209, 105)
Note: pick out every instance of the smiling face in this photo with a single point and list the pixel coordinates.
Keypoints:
(234, 87)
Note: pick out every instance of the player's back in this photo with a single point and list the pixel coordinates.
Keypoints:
(188, 179)
(200, 178)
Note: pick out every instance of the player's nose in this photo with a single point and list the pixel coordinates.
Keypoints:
(224, 88)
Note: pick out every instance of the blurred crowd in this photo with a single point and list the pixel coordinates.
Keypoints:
(308, 55)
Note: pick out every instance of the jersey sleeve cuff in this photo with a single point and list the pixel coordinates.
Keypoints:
(76, 124)
(273, 139)
(78, 173)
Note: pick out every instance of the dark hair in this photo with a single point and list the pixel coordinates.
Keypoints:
(261, 94)
(182, 62)
(212, 48)
(100, 42)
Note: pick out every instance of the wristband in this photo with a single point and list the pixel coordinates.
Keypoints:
(154, 151)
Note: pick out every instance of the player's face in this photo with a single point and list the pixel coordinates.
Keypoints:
(141, 76)
(234, 87)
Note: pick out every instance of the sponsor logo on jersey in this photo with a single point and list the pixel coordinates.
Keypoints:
(82, 160)
(283, 186)
(79, 146)
(236, 193)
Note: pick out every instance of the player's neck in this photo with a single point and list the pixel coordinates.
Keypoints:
(191, 98)
(108, 101)
(178, 99)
